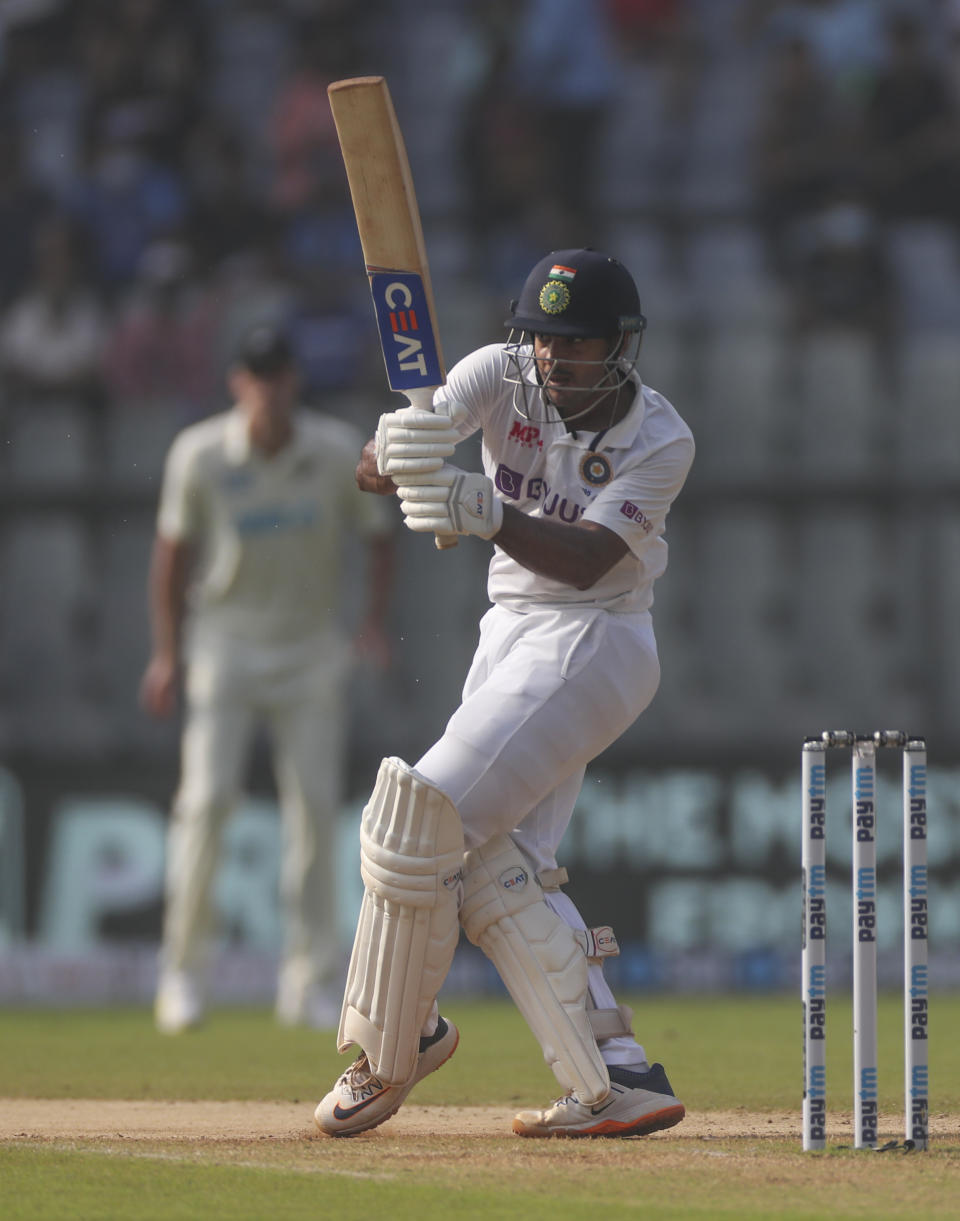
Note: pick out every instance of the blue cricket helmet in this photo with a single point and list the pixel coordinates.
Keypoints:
(580, 293)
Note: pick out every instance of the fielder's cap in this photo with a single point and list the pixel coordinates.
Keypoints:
(582, 293)
(265, 351)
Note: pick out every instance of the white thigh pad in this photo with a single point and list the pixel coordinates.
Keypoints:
(411, 856)
(540, 959)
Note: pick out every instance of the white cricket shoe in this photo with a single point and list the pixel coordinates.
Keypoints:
(178, 1005)
(360, 1101)
(638, 1104)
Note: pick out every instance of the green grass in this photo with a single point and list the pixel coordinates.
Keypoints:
(721, 1053)
(561, 1181)
(502, 1177)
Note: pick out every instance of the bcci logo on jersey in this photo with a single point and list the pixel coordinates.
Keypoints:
(406, 336)
(595, 470)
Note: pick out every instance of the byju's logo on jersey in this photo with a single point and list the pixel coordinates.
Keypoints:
(635, 513)
(509, 482)
(406, 336)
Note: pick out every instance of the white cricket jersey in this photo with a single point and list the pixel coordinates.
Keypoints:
(269, 529)
(625, 477)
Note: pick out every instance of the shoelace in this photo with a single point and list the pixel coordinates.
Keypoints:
(359, 1074)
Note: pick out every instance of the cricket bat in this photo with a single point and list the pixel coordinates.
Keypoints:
(391, 236)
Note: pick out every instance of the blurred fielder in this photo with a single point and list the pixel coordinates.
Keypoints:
(245, 589)
(581, 464)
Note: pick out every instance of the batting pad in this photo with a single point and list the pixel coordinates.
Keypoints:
(539, 958)
(411, 858)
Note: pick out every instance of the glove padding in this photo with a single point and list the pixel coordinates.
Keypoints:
(452, 502)
(415, 442)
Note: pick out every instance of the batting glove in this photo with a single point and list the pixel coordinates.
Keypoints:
(415, 442)
(453, 502)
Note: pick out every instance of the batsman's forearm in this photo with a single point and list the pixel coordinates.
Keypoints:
(577, 554)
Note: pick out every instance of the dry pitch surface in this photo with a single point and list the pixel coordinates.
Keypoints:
(744, 1163)
(80, 1119)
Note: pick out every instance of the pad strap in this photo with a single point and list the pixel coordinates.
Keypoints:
(553, 879)
(598, 942)
(611, 1023)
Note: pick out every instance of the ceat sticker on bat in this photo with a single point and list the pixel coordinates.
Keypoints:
(406, 335)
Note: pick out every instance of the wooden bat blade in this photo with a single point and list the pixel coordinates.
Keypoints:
(378, 172)
(391, 235)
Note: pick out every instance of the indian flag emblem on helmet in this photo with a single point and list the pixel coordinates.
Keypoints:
(554, 297)
(559, 272)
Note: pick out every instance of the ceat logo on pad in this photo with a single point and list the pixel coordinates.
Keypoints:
(513, 879)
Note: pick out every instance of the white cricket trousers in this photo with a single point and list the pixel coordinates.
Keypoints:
(548, 691)
(296, 694)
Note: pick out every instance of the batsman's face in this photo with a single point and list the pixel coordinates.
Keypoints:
(571, 369)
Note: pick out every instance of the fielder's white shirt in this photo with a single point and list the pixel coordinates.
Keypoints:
(625, 478)
(269, 529)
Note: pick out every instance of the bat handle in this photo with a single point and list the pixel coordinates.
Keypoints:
(423, 398)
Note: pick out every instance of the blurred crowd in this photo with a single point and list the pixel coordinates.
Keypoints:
(169, 175)
(170, 172)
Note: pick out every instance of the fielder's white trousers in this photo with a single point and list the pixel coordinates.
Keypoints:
(548, 690)
(295, 693)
